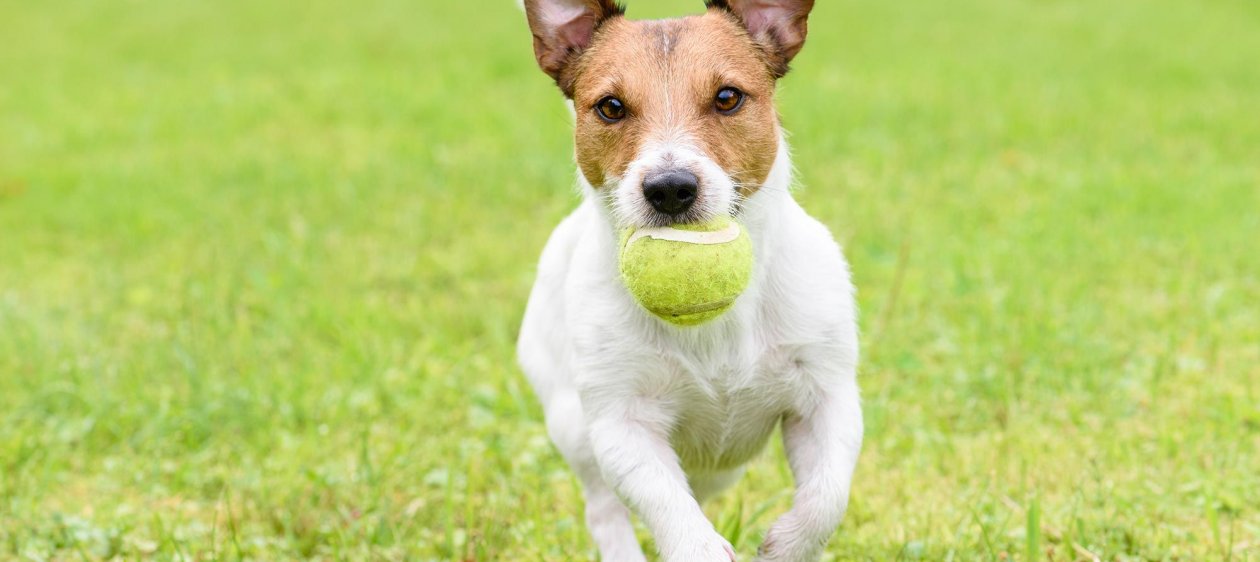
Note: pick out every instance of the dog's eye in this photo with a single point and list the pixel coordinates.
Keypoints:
(728, 100)
(610, 109)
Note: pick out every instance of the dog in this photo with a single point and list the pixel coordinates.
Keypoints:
(675, 123)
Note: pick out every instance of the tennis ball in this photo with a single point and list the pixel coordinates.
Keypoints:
(687, 274)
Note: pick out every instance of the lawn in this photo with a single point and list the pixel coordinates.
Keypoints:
(262, 267)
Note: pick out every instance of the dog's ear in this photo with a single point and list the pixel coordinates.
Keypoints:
(562, 29)
(778, 25)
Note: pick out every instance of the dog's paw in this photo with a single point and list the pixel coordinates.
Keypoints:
(788, 541)
(714, 549)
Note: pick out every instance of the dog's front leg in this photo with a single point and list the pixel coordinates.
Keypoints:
(822, 448)
(631, 445)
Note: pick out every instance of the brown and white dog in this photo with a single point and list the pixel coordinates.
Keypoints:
(675, 122)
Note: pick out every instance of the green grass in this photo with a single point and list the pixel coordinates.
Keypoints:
(262, 266)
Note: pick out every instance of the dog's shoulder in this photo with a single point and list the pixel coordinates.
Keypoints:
(807, 272)
(544, 338)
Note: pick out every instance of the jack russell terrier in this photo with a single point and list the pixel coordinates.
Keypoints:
(676, 123)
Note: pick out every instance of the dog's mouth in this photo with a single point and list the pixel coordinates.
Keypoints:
(689, 217)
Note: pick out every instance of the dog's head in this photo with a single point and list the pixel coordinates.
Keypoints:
(675, 118)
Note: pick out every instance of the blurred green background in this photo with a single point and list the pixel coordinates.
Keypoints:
(262, 265)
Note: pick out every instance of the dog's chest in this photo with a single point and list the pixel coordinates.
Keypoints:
(726, 411)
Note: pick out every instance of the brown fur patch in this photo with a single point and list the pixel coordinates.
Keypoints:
(667, 73)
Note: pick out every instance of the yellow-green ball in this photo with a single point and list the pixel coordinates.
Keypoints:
(688, 273)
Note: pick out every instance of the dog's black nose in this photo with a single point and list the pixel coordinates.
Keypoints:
(671, 192)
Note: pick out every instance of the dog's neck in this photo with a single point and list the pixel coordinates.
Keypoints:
(759, 211)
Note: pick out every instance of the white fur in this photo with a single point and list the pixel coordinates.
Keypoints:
(656, 418)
